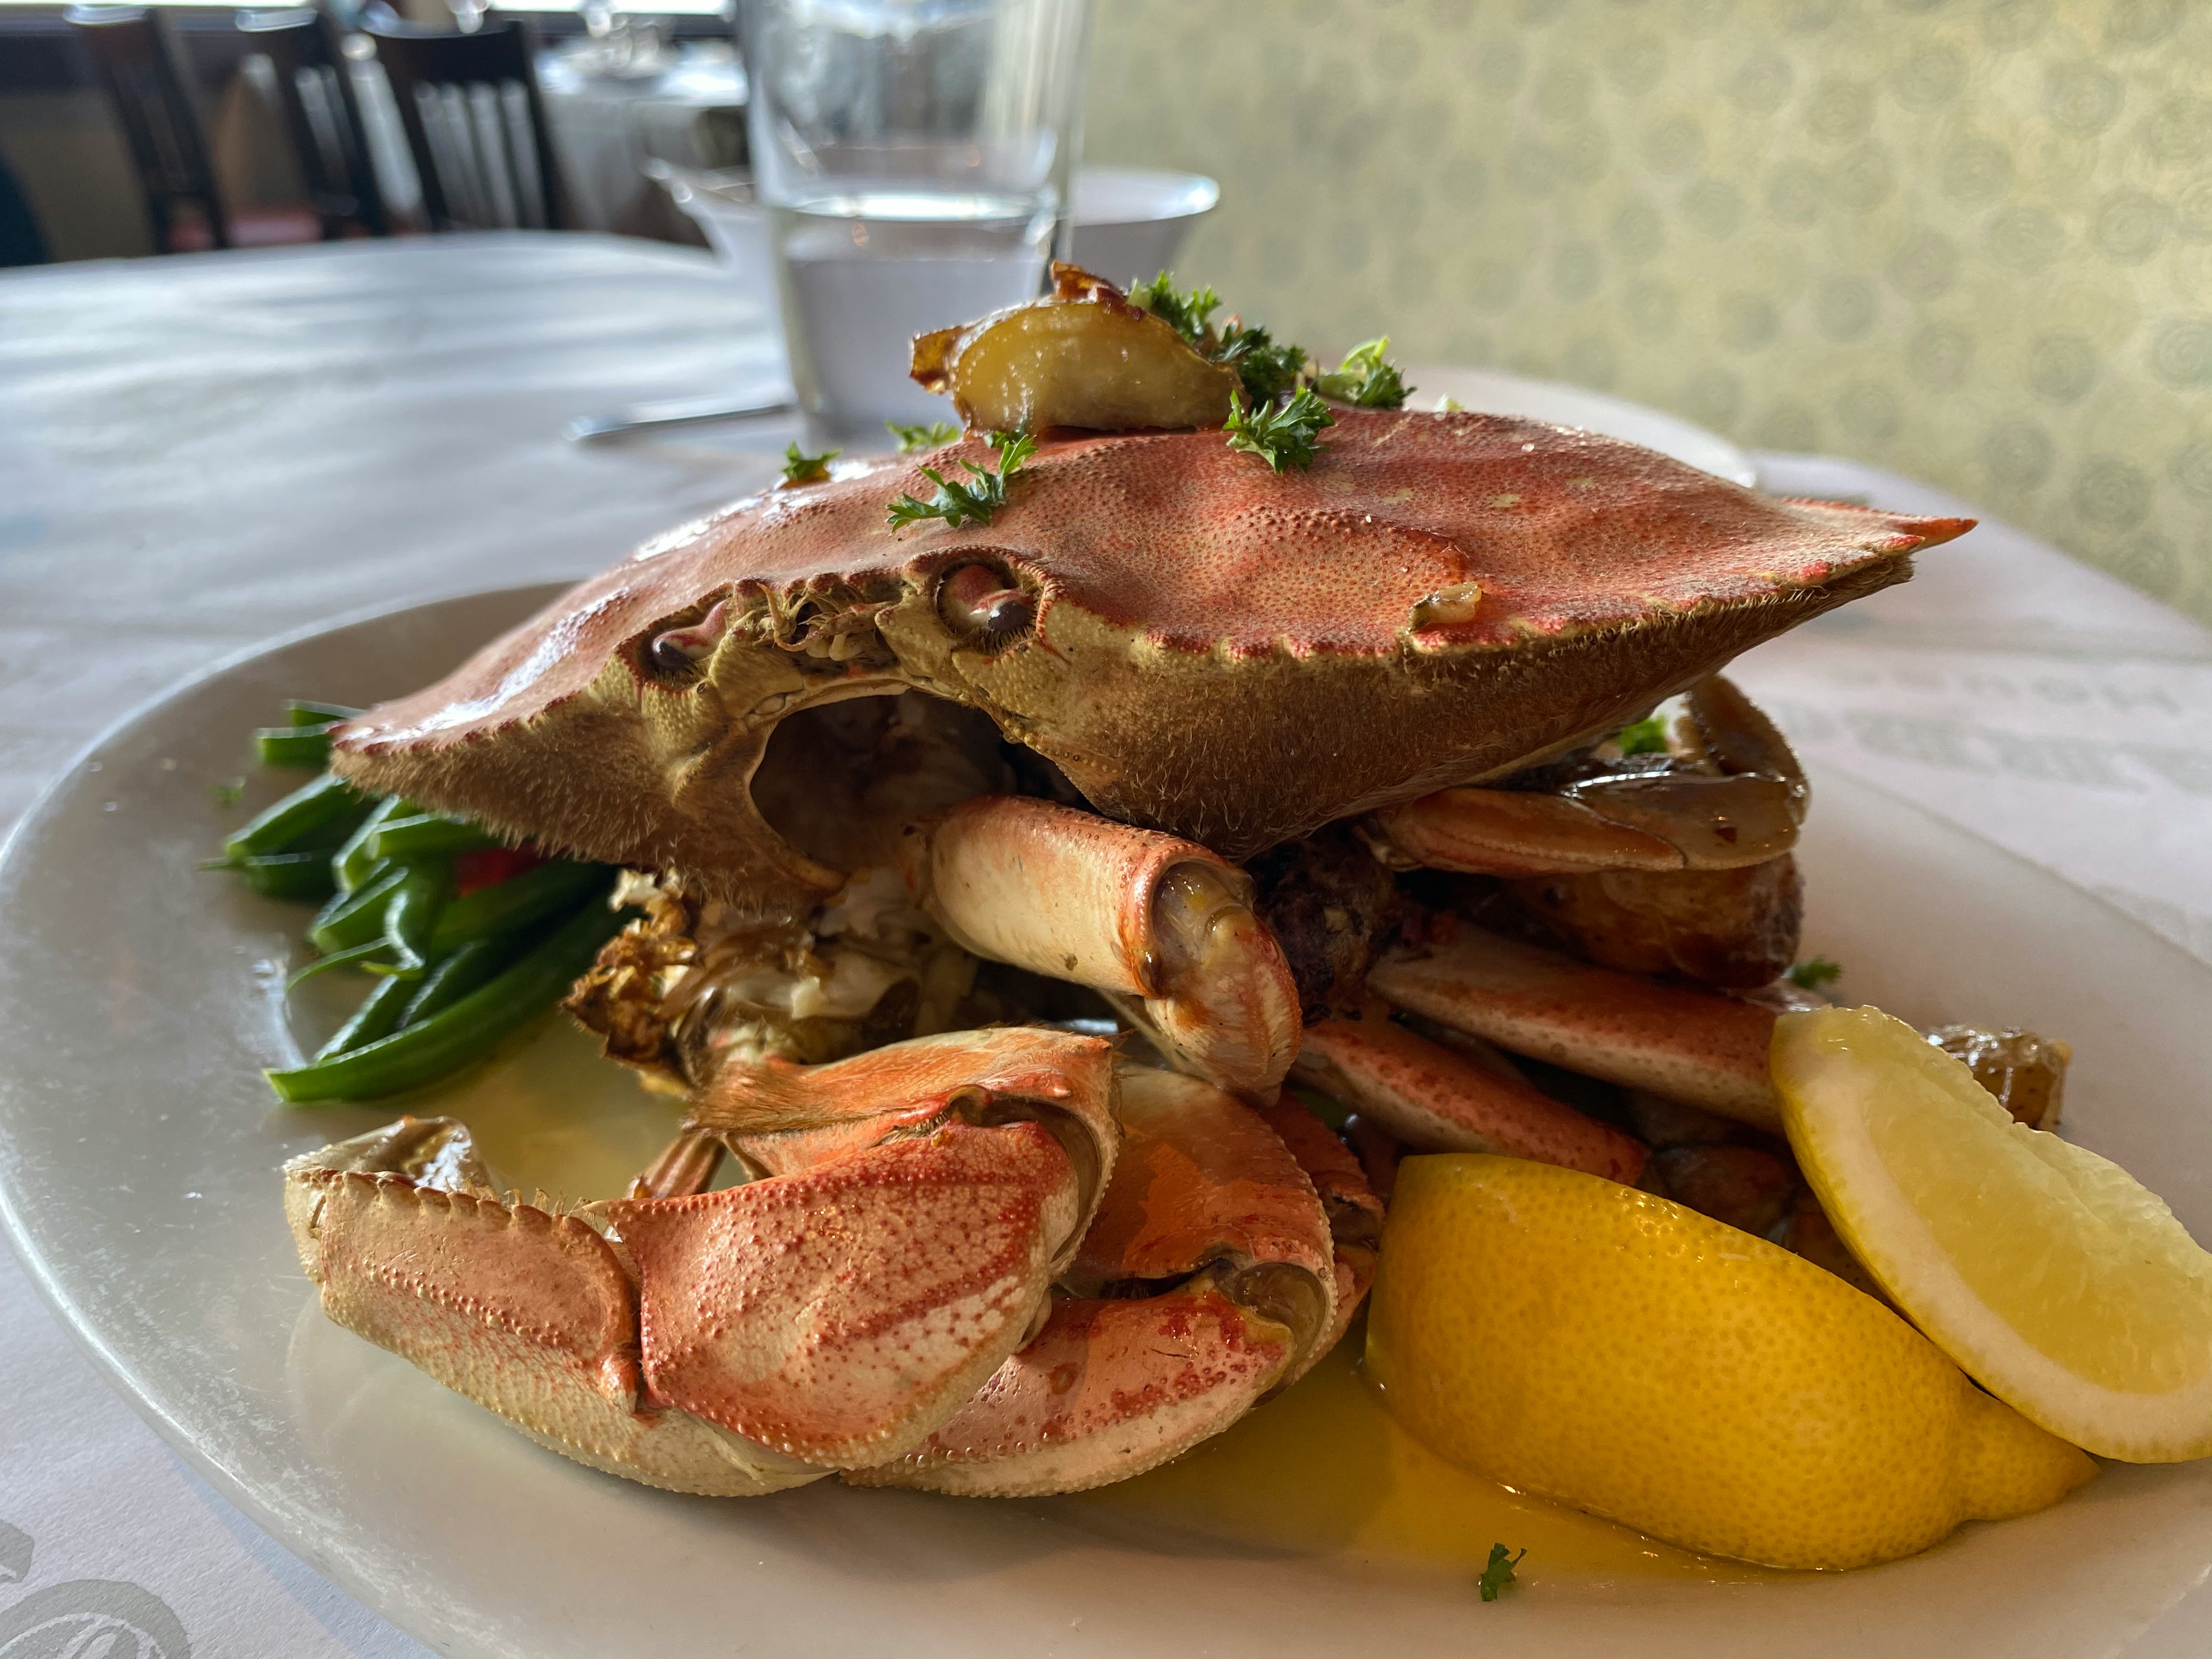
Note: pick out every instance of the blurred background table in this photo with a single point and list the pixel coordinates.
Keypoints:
(197, 454)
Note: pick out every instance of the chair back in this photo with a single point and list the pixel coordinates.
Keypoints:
(476, 125)
(321, 116)
(136, 55)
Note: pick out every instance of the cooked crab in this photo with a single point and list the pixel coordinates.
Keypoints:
(900, 802)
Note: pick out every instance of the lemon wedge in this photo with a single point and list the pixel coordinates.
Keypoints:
(2047, 1273)
(1572, 1337)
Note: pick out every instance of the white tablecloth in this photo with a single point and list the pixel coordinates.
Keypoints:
(196, 453)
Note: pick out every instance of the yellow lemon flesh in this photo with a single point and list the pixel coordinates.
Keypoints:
(2056, 1281)
(1584, 1340)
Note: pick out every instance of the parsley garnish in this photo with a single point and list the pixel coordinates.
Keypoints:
(1644, 737)
(965, 500)
(228, 792)
(1498, 1575)
(1282, 436)
(1363, 379)
(1186, 313)
(799, 469)
(1267, 370)
(1813, 975)
(932, 437)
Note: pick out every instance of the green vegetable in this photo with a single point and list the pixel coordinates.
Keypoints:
(959, 502)
(307, 748)
(800, 468)
(363, 956)
(1498, 1575)
(299, 712)
(352, 862)
(357, 917)
(935, 436)
(1285, 435)
(426, 1051)
(1186, 313)
(1815, 974)
(410, 914)
(453, 978)
(1363, 379)
(320, 806)
(1267, 370)
(378, 1015)
(530, 896)
(227, 793)
(285, 875)
(427, 835)
(1644, 737)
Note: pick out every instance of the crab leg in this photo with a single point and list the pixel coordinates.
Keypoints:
(1206, 1195)
(1686, 1045)
(1435, 1100)
(737, 1341)
(1354, 1212)
(1128, 911)
(1738, 800)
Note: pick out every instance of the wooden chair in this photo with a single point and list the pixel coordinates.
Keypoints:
(322, 119)
(476, 126)
(136, 54)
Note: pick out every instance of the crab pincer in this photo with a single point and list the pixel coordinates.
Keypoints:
(1147, 918)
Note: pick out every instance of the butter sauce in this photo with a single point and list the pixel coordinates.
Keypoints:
(1322, 1472)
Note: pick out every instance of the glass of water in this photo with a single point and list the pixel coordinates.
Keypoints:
(916, 158)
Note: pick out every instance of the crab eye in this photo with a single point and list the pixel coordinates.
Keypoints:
(978, 599)
(680, 649)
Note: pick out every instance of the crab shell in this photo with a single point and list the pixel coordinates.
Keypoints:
(1201, 644)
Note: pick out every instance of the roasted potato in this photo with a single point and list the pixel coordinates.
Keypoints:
(1082, 356)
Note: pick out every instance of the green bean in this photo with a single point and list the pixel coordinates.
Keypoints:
(284, 875)
(410, 915)
(454, 977)
(306, 748)
(426, 833)
(356, 918)
(354, 860)
(516, 903)
(298, 711)
(462, 1030)
(326, 801)
(356, 956)
(378, 1015)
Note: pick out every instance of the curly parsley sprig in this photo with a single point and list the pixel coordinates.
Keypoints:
(1186, 313)
(1281, 434)
(966, 500)
(800, 468)
(935, 436)
(1498, 1574)
(1267, 368)
(1363, 379)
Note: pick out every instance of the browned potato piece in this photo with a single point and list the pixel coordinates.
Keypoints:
(1084, 356)
(2025, 1071)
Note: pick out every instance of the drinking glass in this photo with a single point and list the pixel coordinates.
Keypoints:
(916, 158)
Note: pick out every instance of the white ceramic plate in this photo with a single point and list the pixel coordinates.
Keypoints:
(1496, 392)
(138, 1158)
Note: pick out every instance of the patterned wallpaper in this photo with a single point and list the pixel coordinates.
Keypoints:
(1969, 240)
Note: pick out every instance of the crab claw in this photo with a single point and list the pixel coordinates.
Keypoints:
(530, 1313)
(740, 1340)
(1208, 1198)
(1687, 1045)
(1131, 912)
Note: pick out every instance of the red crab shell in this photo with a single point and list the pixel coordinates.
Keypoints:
(1211, 649)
